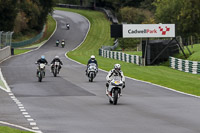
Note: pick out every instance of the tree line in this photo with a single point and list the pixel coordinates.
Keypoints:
(23, 15)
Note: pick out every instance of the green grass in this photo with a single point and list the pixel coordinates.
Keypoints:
(2, 84)
(133, 52)
(20, 51)
(4, 129)
(162, 75)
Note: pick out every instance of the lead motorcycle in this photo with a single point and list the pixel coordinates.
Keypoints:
(92, 71)
(55, 68)
(114, 89)
(40, 72)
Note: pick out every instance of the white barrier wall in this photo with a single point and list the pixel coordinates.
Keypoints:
(135, 59)
(5, 53)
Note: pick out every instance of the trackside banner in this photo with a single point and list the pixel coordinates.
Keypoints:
(148, 30)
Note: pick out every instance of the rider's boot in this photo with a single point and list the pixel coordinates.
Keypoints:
(106, 91)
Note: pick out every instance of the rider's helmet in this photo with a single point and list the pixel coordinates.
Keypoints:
(42, 57)
(56, 57)
(63, 40)
(117, 67)
(92, 57)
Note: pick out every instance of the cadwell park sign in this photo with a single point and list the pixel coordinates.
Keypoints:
(143, 30)
(148, 30)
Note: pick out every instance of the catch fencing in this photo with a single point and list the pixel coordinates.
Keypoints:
(135, 59)
(30, 41)
(5, 39)
(185, 65)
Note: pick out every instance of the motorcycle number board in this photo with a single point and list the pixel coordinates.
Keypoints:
(148, 30)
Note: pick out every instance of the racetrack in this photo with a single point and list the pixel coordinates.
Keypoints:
(70, 104)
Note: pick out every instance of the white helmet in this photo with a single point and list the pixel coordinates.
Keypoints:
(117, 67)
(56, 57)
(92, 57)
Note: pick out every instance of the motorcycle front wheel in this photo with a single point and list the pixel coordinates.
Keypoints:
(39, 77)
(115, 98)
(55, 72)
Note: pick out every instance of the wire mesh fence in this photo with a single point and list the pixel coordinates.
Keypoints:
(5, 39)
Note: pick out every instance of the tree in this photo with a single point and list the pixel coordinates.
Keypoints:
(46, 7)
(135, 15)
(185, 14)
(8, 11)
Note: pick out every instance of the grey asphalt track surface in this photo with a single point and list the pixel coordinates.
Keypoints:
(70, 104)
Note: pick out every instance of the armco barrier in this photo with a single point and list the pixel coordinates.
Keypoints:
(5, 53)
(185, 65)
(135, 59)
(30, 41)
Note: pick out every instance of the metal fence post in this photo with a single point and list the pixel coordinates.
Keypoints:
(11, 33)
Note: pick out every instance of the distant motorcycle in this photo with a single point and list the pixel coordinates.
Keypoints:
(55, 68)
(67, 25)
(91, 71)
(57, 43)
(114, 90)
(41, 72)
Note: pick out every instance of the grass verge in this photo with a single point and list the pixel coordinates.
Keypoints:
(4, 129)
(161, 75)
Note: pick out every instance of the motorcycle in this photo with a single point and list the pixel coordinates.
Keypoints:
(55, 68)
(114, 89)
(41, 72)
(67, 25)
(63, 44)
(91, 71)
(57, 43)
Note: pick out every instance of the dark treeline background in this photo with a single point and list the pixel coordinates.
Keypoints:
(185, 14)
(24, 15)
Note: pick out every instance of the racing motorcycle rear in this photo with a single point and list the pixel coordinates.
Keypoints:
(55, 68)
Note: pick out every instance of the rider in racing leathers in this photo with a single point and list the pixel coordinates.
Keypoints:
(91, 60)
(43, 61)
(56, 59)
(115, 72)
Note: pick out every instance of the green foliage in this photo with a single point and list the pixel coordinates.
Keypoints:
(184, 13)
(46, 8)
(73, 2)
(8, 13)
(128, 43)
(31, 11)
(148, 5)
(22, 15)
(135, 15)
